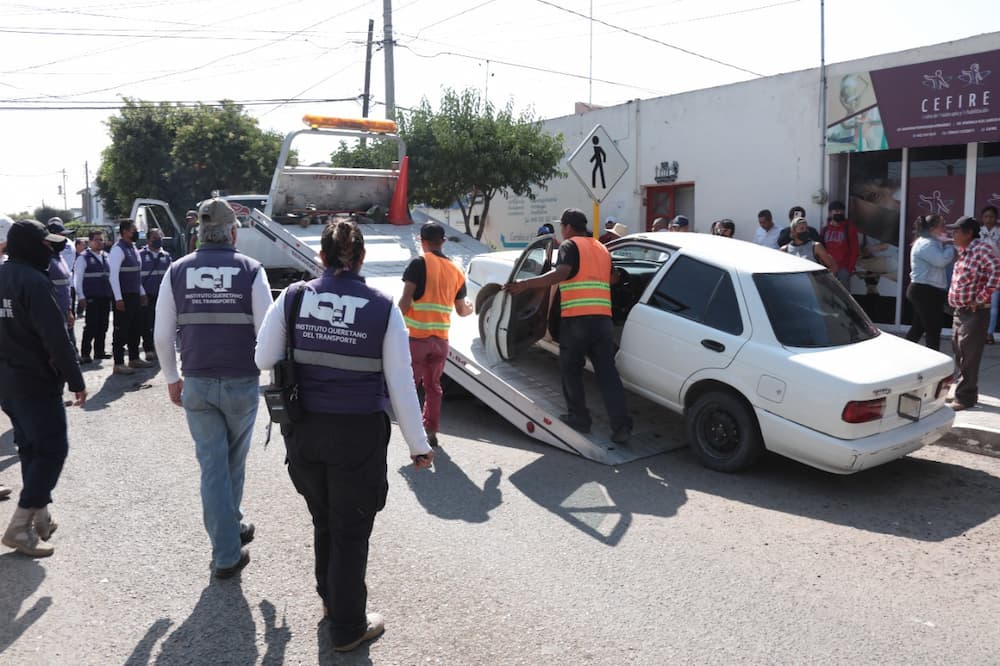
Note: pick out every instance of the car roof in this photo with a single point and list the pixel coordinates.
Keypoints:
(728, 252)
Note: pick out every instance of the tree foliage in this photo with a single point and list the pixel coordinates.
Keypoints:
(45, 213)
(181, 154)
(369, 155)
(467, 151)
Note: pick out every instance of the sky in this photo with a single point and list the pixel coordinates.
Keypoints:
(285, 58)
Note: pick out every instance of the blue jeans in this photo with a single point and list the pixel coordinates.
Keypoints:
(40, 435)
(994, 309)
(221, 414)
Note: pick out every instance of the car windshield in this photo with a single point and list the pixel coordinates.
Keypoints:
(812, 310)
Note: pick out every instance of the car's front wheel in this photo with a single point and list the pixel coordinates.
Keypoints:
(723, 432)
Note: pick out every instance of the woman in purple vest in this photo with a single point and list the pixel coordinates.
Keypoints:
(352, 360)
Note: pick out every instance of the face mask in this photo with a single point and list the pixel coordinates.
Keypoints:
(156, 244)
(838, 217)
(802, 236)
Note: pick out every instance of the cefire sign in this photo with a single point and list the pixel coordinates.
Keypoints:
(598, 163)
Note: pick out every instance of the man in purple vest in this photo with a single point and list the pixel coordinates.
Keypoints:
(155, 261)
(93, 291)
(61, 278)
(212, 303)
(130, 297)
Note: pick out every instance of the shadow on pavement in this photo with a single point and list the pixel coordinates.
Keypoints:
(359, 657)
(275, 637)
(219, 630)
(20, 577)
(144, 650)
(115, 386)
(446, 492)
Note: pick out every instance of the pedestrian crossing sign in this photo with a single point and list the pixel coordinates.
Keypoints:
(598, 163)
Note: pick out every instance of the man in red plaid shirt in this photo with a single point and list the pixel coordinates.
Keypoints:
(974, 279)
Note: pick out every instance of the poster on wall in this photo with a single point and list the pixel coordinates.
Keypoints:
(941, 102)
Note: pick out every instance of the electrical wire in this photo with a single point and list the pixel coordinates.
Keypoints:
(650, 39)
(453, 16)
(91, 106)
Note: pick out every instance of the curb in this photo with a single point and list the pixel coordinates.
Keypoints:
(972, 440)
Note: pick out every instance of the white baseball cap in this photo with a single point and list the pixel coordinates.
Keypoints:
(5, 224)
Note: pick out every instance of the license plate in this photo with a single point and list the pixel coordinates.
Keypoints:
(909, 406)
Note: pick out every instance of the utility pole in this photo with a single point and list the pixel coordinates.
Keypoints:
(590, 76)
(65, 206)
(822, 99)
(390, 82)
(368, 71)
(86, 193)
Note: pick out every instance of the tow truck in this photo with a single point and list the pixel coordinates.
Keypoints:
(285, 237)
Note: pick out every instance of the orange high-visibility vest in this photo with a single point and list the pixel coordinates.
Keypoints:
(431, 314)
(589, 291)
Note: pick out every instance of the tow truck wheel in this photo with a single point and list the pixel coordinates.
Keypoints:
(723, 432)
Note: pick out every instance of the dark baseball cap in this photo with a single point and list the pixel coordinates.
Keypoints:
(965, 223)
(56, 226)
(432, 231)
(680, 221)
(31, 231)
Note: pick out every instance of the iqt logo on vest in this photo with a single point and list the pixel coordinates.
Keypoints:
(334, 309)
(207, 277)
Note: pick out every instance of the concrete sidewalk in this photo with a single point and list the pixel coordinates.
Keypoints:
(978, 429)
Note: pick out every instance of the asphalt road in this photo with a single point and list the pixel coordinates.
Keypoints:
(509, 552)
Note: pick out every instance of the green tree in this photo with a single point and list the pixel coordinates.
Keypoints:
(373, 155)
(45, 213)
(469, 151)
(180, 154)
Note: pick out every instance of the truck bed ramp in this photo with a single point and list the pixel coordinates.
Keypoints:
(528, 393)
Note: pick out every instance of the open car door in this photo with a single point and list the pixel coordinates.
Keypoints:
(150, 214)
(519, 321)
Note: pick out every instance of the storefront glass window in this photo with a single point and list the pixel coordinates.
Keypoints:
(874, 204)
(988, 176)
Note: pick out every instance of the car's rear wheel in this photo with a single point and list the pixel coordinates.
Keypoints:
(723, 432)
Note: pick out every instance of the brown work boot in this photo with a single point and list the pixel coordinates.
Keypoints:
(44, 525)
(374, 629)
(122, 369)
(21, 536)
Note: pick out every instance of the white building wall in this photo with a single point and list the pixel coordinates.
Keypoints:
(744, 146)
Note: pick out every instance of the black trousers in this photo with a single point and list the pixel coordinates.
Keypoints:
(337, 462)
(95, 326)
(968, 337)
(128, 328)
(148, 323)
(40, 436)
(928, 313)
(591, 337)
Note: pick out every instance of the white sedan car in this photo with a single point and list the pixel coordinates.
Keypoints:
(756, 348)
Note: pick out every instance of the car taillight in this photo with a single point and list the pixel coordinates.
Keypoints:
(863, 411)
(944, 386)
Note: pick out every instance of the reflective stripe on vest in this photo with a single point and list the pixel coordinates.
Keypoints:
(128, 269)
(190, 318)
(87, 275)
(589, 291)
(431, 315)
(60, 283)
(337, 361)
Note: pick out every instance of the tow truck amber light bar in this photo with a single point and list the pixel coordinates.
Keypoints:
(364, 124)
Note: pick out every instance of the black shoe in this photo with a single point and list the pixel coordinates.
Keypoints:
(246, 533)
(579, 427)
(621, 435)
(84, 360)
(102, 357)
(229, 572)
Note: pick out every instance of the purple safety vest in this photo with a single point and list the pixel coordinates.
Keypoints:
(59, 276)
(338, 339)
(212, 289)
(154, 267)
(128, 272)
(96, 278)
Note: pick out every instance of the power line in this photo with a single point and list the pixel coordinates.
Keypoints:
(725, 14)
(533, 68)
(114, 106)
(650, 39)
(461, 13)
